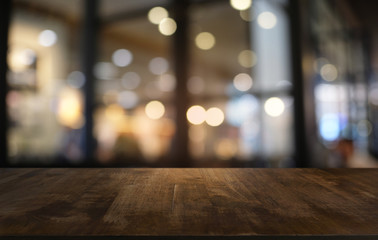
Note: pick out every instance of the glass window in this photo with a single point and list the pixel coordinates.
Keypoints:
(44, 101)
(240, 67)
(135, 82)
(238, 83)
(340, 93)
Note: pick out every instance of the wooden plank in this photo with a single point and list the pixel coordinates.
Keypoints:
(271, 203)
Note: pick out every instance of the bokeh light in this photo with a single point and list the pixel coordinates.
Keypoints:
(128, 99)
(167, 26)
(274, 106)
(69, 111)
(329, 127)
(267, 20)
(196, 114)
(76, 79)
(242, 82)
(105, 71)
(329, 72)
(247, 58)
(19, 59)
(154, 110)
(166, 82)
(240, 4)
(330, 93)
(27, 56)
(114, 113)
(47, 38)
(214, 116)
(156, 14)
(158, 65)
(205, 40)
(122, 57)
(130, 80)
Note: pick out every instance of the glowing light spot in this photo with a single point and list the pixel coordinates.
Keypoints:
(330, 93)
(274, 107)
(130, 80)
(240, 4)
(154, 109)
(122, 57)
(205, 41)
(167, 26)
(242, 82)
(267, 20)
(158, 65)
(166, 82)
(47, 38)
(128, 99)
(214, 116)
(28, 57)
(69, 111)
(195, 85)
(20, 59)
(247, 58)
(76, 79)
(329, 127)
(196, 115)
(156, 14)
(105, 70)
(114, 112)
(329, 72)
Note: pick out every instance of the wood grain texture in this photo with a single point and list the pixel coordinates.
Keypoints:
(188, 202)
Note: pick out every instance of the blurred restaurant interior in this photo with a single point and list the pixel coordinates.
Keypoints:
(189, 83)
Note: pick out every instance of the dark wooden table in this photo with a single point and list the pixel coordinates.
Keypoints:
(188, 203)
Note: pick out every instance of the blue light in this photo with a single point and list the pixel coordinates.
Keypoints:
(240, 109)
(329, 127)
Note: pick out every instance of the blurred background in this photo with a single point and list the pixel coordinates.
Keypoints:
(189, 83)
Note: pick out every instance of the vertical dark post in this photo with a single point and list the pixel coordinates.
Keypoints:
(301, 156)
(89, 39)
(4, 27)
(181, 65)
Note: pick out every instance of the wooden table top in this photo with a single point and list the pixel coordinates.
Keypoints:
(195, 203)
